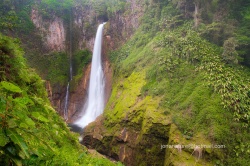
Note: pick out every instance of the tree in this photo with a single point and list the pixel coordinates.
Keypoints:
(230, 54)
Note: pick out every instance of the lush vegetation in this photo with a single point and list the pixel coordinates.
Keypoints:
(241, 12)
(188, 60)
(60, 8)
(15, 21)
(80, 59)
(194, 70)
(15, 16)
(57, 5)
(53, 67)
(104, 9)
(31, 131)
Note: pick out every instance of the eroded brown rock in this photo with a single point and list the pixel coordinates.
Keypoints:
(78, 95)
(127, 144)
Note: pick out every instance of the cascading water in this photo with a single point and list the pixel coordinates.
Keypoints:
(94, 105)
(65, 110)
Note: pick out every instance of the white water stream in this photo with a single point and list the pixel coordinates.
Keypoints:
(66, 103)
(65, 110)
(94, 105)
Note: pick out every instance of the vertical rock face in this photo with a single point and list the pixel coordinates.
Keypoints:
(49, 90)
(107, 67)
(78, 95)
(57, 97)
(136, 12)
(53, 34)
(56, 36)
(52, 31)
(84, 21)
(121, 26)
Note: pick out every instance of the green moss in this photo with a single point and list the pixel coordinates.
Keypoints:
(80, 59)
(127, 108)
(183, 84)
(124, 96)
(153, 115)
(53, 67)
(176, 156)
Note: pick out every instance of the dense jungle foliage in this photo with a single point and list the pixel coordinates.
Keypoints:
(15, 21)
(32, 133)
(201, 71)
(195, 55)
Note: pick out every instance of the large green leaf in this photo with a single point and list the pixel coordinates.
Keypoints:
(40, 117)
(3, 138)
(12, 123)
(18, 140)
(11, 87)
(23, 101)
(30, 122)
(24, 125)
(38, 100)
(17, 161)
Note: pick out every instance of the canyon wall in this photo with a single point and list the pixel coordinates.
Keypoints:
(55, 34)
(52, 31)
(121, 26)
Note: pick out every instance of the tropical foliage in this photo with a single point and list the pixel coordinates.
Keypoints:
(195, 55)
(31, 131)
(197, 75)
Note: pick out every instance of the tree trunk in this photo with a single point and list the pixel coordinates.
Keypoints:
(196, 14)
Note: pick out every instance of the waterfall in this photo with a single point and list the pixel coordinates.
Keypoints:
(94, 104)
(65, 110)
(70, 47)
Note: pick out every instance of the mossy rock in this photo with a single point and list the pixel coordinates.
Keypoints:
(196, 151)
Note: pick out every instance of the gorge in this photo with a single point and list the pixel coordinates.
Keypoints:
(170, 86)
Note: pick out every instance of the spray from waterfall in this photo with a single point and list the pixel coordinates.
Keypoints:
(94, 104)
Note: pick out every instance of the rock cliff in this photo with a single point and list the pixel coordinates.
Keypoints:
(55, 33)
(52, 31)
(121, 25)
